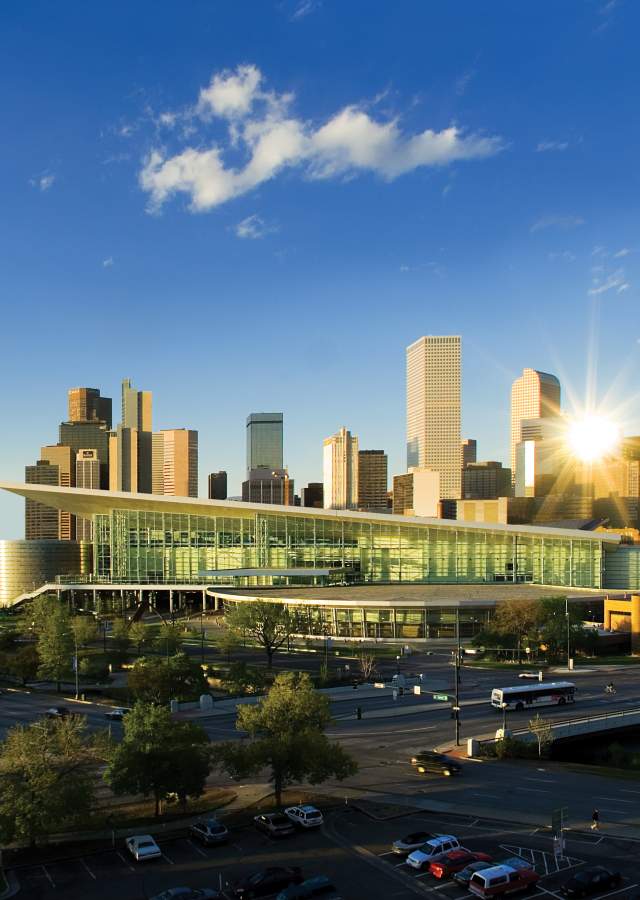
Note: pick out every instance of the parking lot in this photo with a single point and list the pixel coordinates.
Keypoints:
(352, 849)
(499, 839)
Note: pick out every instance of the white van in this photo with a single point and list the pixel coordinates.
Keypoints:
(432, 849)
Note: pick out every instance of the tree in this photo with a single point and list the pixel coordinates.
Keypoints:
(552, 626)
(287, 736)
(367, 663)
(24, 663)
(52, 626)
(121, 636)
(244, 679)
(46, 777)
(155, 680)
(269, 624)
(138, 634)
(159, 756)
(542, 730)
(84, 629)
(229, 642)
(517, 618)
(168, 639)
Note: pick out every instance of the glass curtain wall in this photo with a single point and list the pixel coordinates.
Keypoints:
(157, 547)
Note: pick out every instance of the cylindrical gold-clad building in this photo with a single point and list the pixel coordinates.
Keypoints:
(26, 565)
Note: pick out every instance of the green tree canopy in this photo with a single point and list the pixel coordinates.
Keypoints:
(159, 756)
(52, 627)
(287, 737)
(244, 679)
(269, 624)
(46, 779)
(156, 680)
(168, 639)
(139, 635)
(85, 630)
(24, 663)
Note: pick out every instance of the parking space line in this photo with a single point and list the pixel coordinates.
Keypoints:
(387, 853)
(168, 858)
(84, 863)
(46, 872)
(125, 861)
(615, 799)
(197, 849)
(619, 891)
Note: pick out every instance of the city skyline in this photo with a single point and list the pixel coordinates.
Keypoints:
(526, 246)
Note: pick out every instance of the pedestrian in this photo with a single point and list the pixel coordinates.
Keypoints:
(595, 820)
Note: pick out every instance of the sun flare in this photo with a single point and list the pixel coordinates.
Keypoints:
(592, 437)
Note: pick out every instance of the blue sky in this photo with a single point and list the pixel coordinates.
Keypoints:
(250, 206)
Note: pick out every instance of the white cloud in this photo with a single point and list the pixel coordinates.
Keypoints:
(614, 281)
(167, 119)
(564, 255)
(562, 222)
(463, 82)
(625, 251)
(253, 227)
(43, 182)
(305, 8)
(261, 127)
(126, 130)
(108, 262)
(546, 146)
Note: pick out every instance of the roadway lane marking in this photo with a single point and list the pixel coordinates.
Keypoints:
(344, 735)
(84, 863)
(542, 780)
(534, 790)
(615, 799)
(487, 796)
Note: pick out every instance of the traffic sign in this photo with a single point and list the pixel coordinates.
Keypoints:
(443, 697)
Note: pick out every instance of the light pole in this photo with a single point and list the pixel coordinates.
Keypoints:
(504, 718)
(201, 639)
(566, 602)
(456, 708)
(76, 664)
(397, 665)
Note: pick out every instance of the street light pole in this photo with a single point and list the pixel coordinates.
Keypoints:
(456, 708)
(566, 601)
(201, 639)
(504, 719)
(76, 666)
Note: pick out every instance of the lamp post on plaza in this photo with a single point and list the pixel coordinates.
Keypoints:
(566, 607)
(397, 665)
(504, 706)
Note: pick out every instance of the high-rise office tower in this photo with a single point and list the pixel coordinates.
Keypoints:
(86, 405)
(264, 441)
(84, 435)
(177, 453)
(534, 395)
(486, 481)
(130, 445)
(312, 495)
(417, 493)
(264, 485)
(64, 458)
(41, 522)
(157, 462)
(340, 471)
(372, 480)
(433, 409)
(469, 452)
(87, 476)
(217, 486)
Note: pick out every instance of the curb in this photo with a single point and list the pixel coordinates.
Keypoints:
(13, 885)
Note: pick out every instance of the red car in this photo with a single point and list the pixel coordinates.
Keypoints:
(456, 861)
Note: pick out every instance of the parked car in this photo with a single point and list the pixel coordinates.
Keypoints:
(502, 879)
(591, 881)
(428, 762)
(454, 861)
(432, 850)
(57, 712)
(305, 816)
(410, 842)
(187, 893)
(464, 876)
(274, 824)
(266, 882)
(209, 832)
(142, 847)
(117, 714)
(312, 887)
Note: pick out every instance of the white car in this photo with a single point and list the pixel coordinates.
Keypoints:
(432, 850)
(142, 847)
(533, 676)
(118, 713)
(304, 816)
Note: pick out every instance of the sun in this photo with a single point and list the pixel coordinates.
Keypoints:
(592, 437)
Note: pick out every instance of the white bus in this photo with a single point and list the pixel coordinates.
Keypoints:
(524, 696)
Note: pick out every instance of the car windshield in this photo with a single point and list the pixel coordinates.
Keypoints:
(313, 815)
(279, 820)
(143, 844)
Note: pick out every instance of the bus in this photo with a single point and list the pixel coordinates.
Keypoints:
(525, 696)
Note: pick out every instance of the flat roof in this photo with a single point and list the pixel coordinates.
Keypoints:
(86, 502)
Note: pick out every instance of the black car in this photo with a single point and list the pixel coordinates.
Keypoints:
(591, 881)
(268, 881)
(428, 762)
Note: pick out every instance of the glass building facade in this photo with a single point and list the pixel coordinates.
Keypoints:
(155, 547)
(264, 441)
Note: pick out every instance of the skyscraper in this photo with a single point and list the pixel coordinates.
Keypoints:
(534, 395)
(88, 435)
(41, 522)
(87, 476)
(130, 445)
(264, 441)
(372, 479)
(340, 471)
(469, 452)
(64, 458)
(417, 493)
(86, 405)
(312, 495)
(217, 486)
(264, 485)
(179, 461)
(433, 409)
